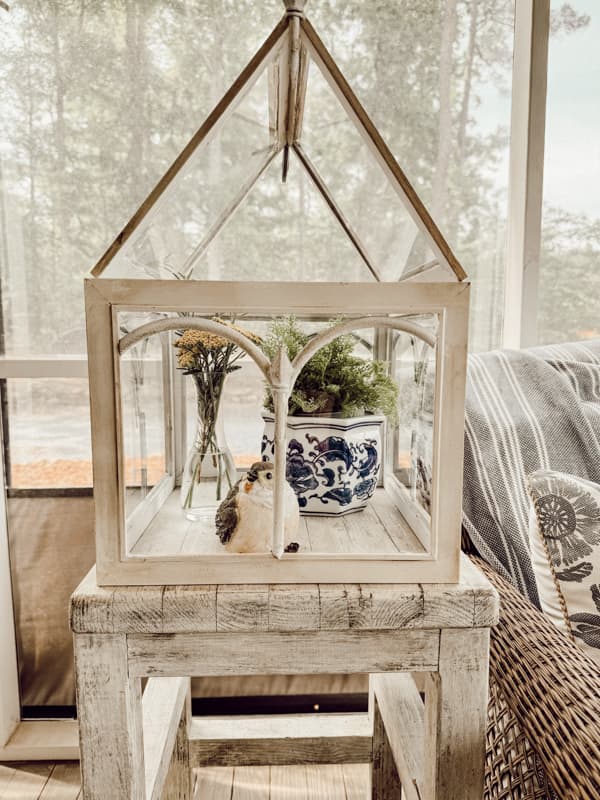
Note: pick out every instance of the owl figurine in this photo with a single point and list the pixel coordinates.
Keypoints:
(244, 519)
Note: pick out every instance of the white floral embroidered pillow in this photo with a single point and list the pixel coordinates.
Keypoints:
(565, 545)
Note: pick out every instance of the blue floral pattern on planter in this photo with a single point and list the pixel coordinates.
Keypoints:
(332, 464)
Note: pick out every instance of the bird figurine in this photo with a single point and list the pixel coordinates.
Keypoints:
(244, 519)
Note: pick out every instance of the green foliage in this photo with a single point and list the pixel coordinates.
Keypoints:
(98, 98)
(334, 381)
(569, 284)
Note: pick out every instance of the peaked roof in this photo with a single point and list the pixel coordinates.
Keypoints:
(286, 54)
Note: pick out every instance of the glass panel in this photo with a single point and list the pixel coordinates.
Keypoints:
(51, 541)
(435, 77)
(358, 184)
(201, 197)
(412, 457)
(241, 407)
(283, 231)
(144, 370)
(96, 101)
(51, 536)
(569, 280)
(336, 442)
(48, 436)
(79, 156)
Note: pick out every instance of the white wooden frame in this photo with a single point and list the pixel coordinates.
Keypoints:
(22, 740)
(526, 172)
(106, 298)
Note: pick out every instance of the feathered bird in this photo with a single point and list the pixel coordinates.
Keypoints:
(245, 517)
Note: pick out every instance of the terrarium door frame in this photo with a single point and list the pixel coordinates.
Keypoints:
(375, 305)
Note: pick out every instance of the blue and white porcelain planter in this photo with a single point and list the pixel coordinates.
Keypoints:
(333, 463)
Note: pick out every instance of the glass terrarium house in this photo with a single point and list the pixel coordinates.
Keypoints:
(284, 250)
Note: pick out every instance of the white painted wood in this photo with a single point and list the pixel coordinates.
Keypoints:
(449, 301)
(300, 653)
(110, 719)
(401, 710)
(472, 602)
(195, 323)
(350, 326)
(309, 568)
(388, 510)
(294, 608)
(163, 705)
(279, 87)
(263, 608)
(10, 706)
(103, 412)
(289, 782)
(170, 533)
(180, 427)
(526, 172)
(280, 739)
(385, 779)
(435, 752)
(416, 516)
(455, 717)
(293, 77)
(43, 367)
(273, 297)
(168, 367)
(179, 782)
(242, 608)
(146, 510)
(281, 381)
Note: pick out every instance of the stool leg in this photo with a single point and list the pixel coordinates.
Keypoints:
(455, 717)
(110, 719)
(179, 780)
(385, 781)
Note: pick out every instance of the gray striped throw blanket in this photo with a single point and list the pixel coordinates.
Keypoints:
(526, 410)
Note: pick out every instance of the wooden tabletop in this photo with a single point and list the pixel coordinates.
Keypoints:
(471, 603)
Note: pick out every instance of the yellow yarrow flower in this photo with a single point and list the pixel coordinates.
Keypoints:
(196, 344)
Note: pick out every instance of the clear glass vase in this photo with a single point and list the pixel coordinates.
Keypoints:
(209, 470)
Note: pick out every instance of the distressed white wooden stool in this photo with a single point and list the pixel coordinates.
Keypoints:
(136, 747)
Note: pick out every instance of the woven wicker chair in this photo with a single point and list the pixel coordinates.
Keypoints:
(543, 738)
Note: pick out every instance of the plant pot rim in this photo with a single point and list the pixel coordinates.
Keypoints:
(301, 419)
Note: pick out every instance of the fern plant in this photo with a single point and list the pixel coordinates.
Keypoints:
(335, 380)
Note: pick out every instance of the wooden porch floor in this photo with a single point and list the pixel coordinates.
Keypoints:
(60, 781)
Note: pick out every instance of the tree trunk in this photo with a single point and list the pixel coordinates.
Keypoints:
(440, 182)
(463, 118)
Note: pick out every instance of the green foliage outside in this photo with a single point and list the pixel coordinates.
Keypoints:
(97, 99)
(334, 381)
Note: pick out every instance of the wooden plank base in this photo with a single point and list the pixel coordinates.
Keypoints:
(284, 739)
(379, 528)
